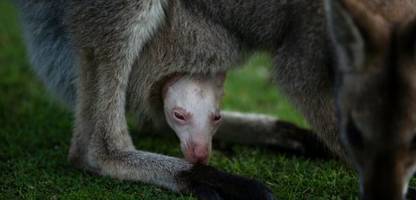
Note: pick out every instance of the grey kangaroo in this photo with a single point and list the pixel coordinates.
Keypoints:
(106, 55)
(104, 58)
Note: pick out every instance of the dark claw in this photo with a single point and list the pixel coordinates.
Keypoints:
(208, 183)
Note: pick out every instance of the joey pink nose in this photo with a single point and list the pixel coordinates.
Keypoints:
(201, 154)
(198, 154)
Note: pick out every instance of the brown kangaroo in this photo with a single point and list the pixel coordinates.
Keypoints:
(375, 44)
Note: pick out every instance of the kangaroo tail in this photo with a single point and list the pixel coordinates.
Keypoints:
(48, 46)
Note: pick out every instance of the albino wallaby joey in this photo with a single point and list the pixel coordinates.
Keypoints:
(191, 106)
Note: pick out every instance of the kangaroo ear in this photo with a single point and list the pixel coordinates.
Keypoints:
(355, 32)
(346, 36)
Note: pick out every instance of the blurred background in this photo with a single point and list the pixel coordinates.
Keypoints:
(35, 132)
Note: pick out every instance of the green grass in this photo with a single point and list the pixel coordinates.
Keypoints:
(35, 132)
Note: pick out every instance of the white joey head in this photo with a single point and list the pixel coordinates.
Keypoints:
(192, 110)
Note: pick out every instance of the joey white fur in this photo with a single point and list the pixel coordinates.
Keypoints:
(192, 109)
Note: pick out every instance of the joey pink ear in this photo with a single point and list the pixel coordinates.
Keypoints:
(169, 82)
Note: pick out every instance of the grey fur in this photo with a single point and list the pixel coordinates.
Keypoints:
(113, 55)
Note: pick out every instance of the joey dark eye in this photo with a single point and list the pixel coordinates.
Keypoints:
(354, 135)
(179, 116)
(217, 118)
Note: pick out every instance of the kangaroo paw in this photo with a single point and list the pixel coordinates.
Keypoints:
(208, 183)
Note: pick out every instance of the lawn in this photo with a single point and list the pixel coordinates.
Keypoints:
(35, 132)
